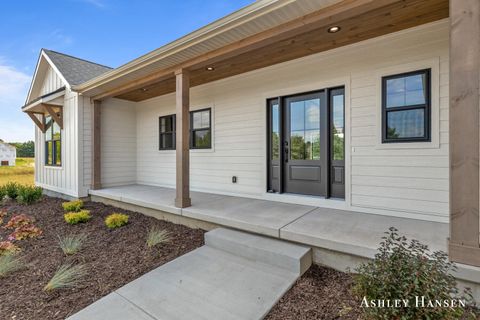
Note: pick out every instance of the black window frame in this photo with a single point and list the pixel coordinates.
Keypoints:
(192, 131)
(426, 107)
(49, 122)
(173, 133)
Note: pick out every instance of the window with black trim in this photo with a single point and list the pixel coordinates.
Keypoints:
(406, 101)
(53, 143)
(167, 132)
(200, 129)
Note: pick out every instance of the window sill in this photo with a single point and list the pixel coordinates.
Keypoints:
(53, 167)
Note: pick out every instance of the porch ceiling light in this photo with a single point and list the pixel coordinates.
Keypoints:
(334, 29)
(210, 68)
(144, 89)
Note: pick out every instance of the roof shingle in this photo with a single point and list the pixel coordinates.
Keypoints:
(75, 70)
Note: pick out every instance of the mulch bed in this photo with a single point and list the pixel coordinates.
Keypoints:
(113, 258)
(321, 293)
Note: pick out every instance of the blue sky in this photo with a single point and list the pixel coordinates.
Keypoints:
(110, 32)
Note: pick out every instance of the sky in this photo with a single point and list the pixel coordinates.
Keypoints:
(109, 32)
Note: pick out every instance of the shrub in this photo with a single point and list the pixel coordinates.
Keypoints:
(403, 270)
(8, 248)
(9, 264)
(71, 244)
(18, 221)
(73, 206)
(66, 276)
(157, 236)
(11, 190)
(29, 194)
(116, 220)
(3, 192)
(77, 217)
(25, 232)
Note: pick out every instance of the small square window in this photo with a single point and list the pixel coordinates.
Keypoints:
(406, 107)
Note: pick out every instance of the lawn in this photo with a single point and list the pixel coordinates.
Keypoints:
(22, 173)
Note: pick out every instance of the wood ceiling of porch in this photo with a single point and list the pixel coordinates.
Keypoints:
(284, 44)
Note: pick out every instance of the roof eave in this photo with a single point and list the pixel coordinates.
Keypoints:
(243, 15)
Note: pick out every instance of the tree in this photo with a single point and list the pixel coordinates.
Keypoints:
(25, 149)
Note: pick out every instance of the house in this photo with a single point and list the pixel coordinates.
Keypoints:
(319, 121)
(8, 154)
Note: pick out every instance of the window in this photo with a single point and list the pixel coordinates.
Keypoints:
(406, 107)
(167, 132)
(200, 130)
(53, 143)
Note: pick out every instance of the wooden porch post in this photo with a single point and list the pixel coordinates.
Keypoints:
(182, 199)
(464, 131)
(96, 146)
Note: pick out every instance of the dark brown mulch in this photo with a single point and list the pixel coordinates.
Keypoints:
(321, 293)
(113, 258)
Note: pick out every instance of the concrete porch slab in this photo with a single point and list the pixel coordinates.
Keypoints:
(360, 233)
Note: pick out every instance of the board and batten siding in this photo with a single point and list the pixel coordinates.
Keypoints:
(408, 180)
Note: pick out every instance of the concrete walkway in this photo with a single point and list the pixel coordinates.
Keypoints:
(236, 275)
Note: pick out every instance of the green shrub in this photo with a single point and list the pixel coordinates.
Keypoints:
(29, 194)
(71, 244)
(73, 206)
(9, 263)
(3, 192)
(66, 276)
(116, 220)
(11, 190)
(403, 270)
(157, 236)
(77, 217)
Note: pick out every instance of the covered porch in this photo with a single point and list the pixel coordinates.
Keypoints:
(347, 232)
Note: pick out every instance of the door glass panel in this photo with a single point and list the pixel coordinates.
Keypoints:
(275, 142)
(338, 127)
(305, 130)
(297, 145)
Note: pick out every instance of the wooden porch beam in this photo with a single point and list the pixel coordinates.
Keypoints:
(182, 199)
(56, 117)
(40, 124)
(464, 242)
(322, 18)
(96, 146)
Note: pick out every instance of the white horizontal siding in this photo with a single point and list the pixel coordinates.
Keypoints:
(118, 143)
(410, 181)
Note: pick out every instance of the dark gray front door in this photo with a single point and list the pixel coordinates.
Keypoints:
(306, 144)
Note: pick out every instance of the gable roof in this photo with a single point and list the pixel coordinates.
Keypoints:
(75, 70)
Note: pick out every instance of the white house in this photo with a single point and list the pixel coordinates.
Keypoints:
(8, 154)
(350, 112)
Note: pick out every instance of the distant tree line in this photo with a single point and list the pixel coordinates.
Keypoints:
(24, 149)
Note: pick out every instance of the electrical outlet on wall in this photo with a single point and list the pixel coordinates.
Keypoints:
(234, 179)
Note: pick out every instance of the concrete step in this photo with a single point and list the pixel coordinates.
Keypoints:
(235, 276)
(286, 255)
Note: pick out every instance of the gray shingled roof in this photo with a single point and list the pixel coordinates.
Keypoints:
(75, 70)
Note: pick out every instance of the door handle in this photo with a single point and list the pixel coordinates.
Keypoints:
(286, 151)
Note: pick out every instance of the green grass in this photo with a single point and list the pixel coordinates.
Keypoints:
(22, 172)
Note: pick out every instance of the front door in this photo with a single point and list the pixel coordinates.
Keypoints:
(306, 144)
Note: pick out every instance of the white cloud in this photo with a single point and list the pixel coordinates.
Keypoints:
(14, 85)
